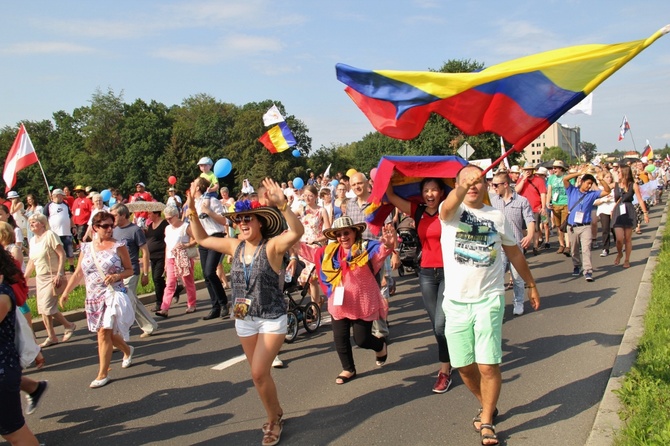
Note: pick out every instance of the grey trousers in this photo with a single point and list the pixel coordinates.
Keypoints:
(144, 320)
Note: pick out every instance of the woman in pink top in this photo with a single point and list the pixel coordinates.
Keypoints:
(346, 270)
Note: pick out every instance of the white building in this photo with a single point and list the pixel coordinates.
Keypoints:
(557, 135)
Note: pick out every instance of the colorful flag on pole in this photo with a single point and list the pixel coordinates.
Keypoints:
(21, 155)
(272, 116)
(278, 138)
(623, 128)
(648, 151)
(518, 99)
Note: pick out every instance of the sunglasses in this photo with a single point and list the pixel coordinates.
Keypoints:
(106, 226)
(497, 184)
(340, 234)
(243, 219)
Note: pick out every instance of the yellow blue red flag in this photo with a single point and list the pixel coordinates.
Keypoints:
(518, 99)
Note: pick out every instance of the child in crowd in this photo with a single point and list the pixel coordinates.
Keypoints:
(205, 164)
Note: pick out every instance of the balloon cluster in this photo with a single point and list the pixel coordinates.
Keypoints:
(106, 195)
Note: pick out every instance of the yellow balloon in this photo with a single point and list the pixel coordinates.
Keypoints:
(351, 172)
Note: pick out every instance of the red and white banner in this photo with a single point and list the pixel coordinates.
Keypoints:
(21, 155)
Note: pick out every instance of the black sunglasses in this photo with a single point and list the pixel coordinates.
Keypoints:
(243, 218)
(106, 226)
(497, 184)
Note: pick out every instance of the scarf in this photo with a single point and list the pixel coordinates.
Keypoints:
(336, 262)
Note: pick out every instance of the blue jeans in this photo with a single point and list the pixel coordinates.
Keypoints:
(519, 284)
(431, 281)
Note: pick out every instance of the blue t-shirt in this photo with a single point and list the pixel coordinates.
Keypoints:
(585, 206)
(134, 238)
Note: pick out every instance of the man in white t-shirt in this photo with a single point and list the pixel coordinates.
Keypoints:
(473, 235)
(60, 222)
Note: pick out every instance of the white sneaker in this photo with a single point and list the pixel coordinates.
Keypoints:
(518, 309)
(277, 363)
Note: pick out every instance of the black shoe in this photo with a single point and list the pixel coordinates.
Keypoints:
(72, 269)
(225, 312)
(34, 398)
(212, 315)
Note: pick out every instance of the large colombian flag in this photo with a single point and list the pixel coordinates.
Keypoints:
(278, 138)
(517, 99)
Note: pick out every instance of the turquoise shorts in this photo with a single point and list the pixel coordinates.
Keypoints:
(474, 331)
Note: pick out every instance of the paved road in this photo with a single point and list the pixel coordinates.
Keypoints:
(556, 365)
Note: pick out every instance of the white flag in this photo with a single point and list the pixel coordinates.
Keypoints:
(502, 152)
(327, 172)
(586, 106)
(272, 116)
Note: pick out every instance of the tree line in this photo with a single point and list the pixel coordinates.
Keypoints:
(110, 143)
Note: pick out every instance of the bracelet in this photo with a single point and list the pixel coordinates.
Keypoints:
(529, 286)
(293, 258)
(192, 213)
(283, 208)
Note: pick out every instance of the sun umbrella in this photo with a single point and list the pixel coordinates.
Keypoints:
(145, 206)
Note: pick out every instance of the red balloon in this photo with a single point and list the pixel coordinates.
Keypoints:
(373, 173)
(172, 180)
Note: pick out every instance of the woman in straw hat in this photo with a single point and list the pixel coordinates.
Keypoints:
(256, 272)
(346, 270)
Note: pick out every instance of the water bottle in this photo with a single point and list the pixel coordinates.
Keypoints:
(288, 277)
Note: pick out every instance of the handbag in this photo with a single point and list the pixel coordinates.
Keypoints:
(24, 340)
(192, 252)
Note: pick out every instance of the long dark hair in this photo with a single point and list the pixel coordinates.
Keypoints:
(7, 267)
(625, 177)
(10, 219)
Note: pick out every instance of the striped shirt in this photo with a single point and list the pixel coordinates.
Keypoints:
(516, 211)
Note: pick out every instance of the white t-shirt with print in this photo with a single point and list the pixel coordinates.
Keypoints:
(471, 250)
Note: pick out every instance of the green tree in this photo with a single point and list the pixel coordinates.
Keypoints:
(587, 151)
(555, 153)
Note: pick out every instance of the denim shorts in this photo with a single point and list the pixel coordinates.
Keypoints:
(474, 331)
(250, 326)
(66, 240)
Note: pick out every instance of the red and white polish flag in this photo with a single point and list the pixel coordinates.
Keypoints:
(21, 155)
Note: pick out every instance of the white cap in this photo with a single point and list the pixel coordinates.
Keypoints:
(205, 160)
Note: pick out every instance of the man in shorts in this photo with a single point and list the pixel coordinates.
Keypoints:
(60, 221)
(473, 235)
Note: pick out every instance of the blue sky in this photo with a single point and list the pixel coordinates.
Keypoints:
(56, 54)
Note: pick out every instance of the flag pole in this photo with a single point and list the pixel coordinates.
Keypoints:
(499, 160)
(632, 138)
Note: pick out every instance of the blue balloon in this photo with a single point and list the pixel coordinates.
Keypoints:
(106, 195)
(222, 167)
(334, 183)
(298, 183)
(296, 153)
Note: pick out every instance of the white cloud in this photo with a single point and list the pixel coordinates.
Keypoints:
(665, 136)
(229, 47)
(427, 4)
(45, 48)
(428, 19)
(516, 38)
(251, 44)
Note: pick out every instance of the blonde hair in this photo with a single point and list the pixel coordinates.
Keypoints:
(41, 218)
(7, 236)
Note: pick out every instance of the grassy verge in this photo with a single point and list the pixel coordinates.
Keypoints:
(645, 392)
(78, 295)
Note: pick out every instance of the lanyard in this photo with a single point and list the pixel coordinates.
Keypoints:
(247, 271)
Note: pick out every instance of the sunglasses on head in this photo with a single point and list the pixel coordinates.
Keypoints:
(339, 234)
(243, 218)
(106, 226)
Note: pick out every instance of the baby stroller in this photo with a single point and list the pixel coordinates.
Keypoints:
(409, 249)
(309, 313)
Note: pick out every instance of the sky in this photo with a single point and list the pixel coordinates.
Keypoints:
(57, 54)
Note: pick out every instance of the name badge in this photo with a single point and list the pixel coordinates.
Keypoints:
(622, 209)
(338, 295)
(579, 217)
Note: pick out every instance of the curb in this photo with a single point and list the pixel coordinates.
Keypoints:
(607, 421)
(80, 314)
